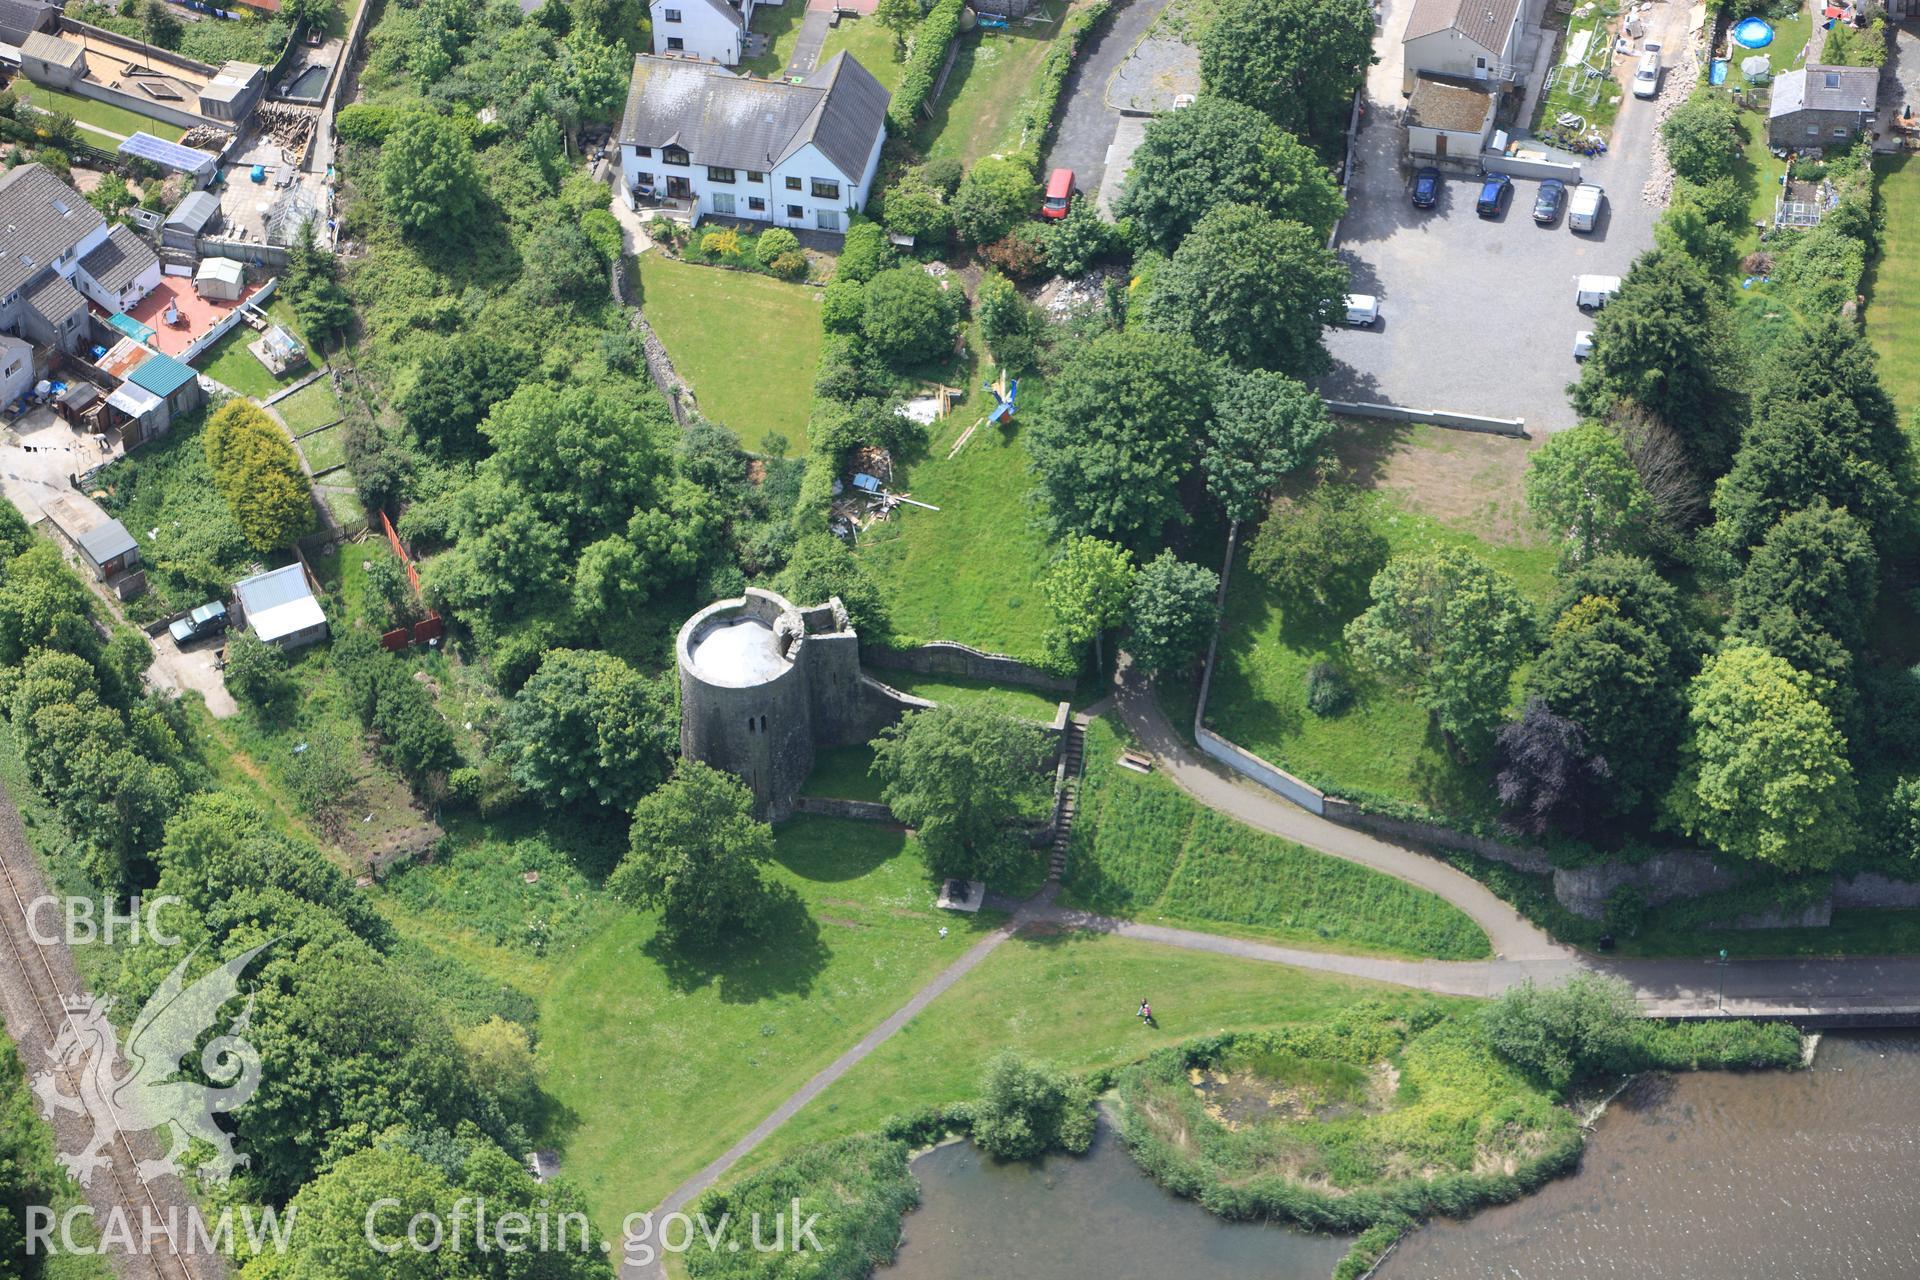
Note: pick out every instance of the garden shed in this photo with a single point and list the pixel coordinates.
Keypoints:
(193, 217)
(280, 607)
(1449, 118)
(222, 279)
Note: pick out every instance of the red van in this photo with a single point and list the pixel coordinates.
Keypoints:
(1059, 194)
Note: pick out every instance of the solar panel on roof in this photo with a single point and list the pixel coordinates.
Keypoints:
(170, 155)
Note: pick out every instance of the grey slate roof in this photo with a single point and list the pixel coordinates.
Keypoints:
(54, 297)
(1818, 88)
(19, 18)
(105, 541)
(41, 218)
(740, 123)
(119, 260)
(1485, 22)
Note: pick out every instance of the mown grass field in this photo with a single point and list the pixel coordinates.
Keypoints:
(977, 115)
(1070, 998)
(658, 1060)
(970, 571)
(310, 408)
(1029, 704)
(747, 343)
(1893, 282)
(115, 120)
(870, 44)
(231, 364)
(1144, 848)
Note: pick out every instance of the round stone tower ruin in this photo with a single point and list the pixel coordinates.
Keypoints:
(763, 683)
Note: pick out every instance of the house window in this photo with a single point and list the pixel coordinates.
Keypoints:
(675, 44)
(793, 184)
(754, 175)
(825, 189)
(1813, 131)
(1842, 133)
(1833, 79)
(674, 155)
(795, 212)
(643, 153)
(723, 203)
(670, 15)
(756, 204)
(829, 219)
(717, 174)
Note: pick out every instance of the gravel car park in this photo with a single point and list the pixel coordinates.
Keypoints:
(1477, 314)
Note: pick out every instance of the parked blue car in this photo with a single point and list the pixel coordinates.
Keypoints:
(1495, 190)
(1426, 188)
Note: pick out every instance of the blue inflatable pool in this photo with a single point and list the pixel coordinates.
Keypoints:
(1752, 33)
(1717, 74)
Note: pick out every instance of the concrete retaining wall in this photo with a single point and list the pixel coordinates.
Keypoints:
(1520, 167)
(1660, 879)
(1871, 889)
(1516, 427)
(945, 658)
(1268, 775)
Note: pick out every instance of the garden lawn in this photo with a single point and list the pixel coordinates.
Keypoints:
(1144, 848)
(747, 343)
(781, 25)
(115, 120)
(970, 571)
(325, 449)
(1069, 998)
(1029, 704)
(871, 46)
(843, 773)
(310, 408)
(1893, 282)
(992, 74)
(1382, 749)
(657, 1062)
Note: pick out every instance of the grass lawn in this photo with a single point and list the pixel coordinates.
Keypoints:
(871, 46)
(1596, 98)
(1070, 998)
(842, 773)
(1026, 703)
(325, 449)
(1144, 848)
(656, 1062)
(976, 116)
(1432, 488)
(117, 120)
(748, 344)
(310, 408)
(780, 24)
(230, 362)
(970, 571)
(1893, 282)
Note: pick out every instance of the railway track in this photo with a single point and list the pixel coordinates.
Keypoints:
(36, 969)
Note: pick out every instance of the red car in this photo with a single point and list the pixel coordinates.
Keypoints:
(1059, 194)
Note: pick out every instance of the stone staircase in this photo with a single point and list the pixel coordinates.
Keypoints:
(1074, 753)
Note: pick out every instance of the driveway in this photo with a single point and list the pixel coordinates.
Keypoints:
(1087, 123)
(1477, 314)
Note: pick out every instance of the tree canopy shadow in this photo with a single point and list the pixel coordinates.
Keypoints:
(780, 953)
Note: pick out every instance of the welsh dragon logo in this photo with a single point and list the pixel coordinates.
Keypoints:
(153, 1094)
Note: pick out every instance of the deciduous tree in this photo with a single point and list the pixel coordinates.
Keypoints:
(428, 178)
(1087, 590)
(1217, 152)
(1550, 779)
(1028, 1107)
(1258, 291)
(1297, 61)
(1583, 488)
(1763, 773)
(1321, 551)
(1117, 434)
(959, 774)
(588, 728)
(696, 854)
(1265, 425)
(1172, 613)
(1453, 632)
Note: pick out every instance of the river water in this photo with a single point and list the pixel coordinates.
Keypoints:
(1809, 1175)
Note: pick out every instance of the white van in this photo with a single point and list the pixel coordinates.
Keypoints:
(1583, 211)
(1590, 293)
(1646, 76)
(1363, 310)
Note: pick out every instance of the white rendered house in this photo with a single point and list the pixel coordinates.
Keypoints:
(703, 141)
(710, 30)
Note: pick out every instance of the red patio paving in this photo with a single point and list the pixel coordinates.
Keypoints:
(197, 314)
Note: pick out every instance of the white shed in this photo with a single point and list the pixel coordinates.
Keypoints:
(220, 278)
(280, 608)
(1449, 117)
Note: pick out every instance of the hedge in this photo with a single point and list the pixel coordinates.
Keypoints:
(930, 43)
(1036, 111)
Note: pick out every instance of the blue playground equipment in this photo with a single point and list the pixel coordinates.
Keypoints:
(1003, 406)
(1752, 33)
